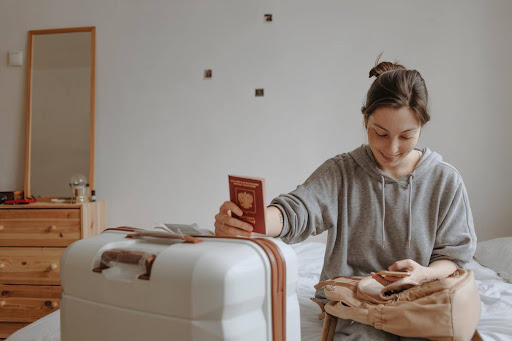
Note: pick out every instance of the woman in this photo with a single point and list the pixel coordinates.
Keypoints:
(385, 205)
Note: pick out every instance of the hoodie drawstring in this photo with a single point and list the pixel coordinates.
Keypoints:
(383, 210)
(409, 229)
(411, 177)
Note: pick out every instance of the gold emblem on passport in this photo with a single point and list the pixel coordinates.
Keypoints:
(245, 199)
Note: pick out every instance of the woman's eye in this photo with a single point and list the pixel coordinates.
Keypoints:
(380, 134)
(406, 138)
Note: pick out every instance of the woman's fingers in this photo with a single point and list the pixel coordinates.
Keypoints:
(405, 264)
(417, 271)
(226, 224)
(226, 230)
(380, 279)
(230, 206)
(238, 224)
(226, 220)
(236, 231)
(226, 217)
(384, 280)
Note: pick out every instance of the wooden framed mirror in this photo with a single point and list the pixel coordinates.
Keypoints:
(60, 111)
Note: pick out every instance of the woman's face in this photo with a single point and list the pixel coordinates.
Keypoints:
(392, 135)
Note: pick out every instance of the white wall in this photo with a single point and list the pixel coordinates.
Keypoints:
(166, 139)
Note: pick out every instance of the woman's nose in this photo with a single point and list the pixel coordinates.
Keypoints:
(393, 147)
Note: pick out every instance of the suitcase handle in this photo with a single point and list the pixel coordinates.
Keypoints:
(167, 235)
(127, 257)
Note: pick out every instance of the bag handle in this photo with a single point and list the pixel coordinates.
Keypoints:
(349, 282)
(126, 257)
(321, 316)
(329, 327)
(361, 315)
(137, 257)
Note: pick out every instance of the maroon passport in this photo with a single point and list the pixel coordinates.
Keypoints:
(248, 193)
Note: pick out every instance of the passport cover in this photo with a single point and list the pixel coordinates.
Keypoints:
(248, 193)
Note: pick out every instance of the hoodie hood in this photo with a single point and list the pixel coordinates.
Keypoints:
(363, 156)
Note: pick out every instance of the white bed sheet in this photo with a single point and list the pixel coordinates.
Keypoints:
(495, 292)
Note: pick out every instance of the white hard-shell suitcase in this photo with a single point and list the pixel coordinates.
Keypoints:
(131, 284)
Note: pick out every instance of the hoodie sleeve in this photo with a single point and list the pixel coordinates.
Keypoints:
(455, 237)
(313, 207)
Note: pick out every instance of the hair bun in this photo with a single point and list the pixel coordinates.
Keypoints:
(382, 67)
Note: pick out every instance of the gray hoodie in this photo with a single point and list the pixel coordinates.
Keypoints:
(374, 220)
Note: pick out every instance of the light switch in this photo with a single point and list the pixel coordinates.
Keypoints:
(16, 58)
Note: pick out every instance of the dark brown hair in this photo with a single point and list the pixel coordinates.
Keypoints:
(396, 87)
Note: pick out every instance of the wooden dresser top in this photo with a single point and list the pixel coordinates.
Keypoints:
(42, 205)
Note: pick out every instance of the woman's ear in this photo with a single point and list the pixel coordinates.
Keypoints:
(365, 122)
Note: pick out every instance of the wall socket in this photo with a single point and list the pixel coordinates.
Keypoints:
(16, 58)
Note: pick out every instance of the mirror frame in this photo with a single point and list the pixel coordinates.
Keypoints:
(28, 103)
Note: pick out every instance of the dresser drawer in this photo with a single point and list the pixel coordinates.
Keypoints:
(39, 227)
(25, 303)
(31, 265)
(40, 214)
(7, 328)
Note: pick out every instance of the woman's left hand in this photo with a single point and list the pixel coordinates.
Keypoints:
(418, 272)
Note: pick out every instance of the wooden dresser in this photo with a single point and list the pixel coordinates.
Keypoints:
(32, 239)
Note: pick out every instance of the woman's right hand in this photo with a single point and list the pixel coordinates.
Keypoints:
(227, 225)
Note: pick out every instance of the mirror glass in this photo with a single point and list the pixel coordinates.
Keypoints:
(60, 112)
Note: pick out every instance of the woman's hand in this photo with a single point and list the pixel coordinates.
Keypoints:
(418, 272)
(227, 225)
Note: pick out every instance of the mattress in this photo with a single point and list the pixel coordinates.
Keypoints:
(496, 295)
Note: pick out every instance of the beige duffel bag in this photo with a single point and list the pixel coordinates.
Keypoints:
(444, 309)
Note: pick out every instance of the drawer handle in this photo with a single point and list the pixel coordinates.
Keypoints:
(2, 303)
(52, 228)
(2, 265)
(51, 304)
(1, 227)
(53, 266)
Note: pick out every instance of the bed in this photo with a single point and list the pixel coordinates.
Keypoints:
(495, 292)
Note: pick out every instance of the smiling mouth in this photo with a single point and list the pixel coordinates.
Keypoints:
(389, 157)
